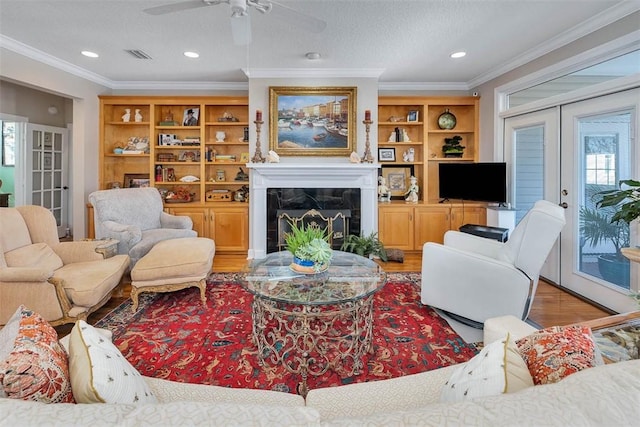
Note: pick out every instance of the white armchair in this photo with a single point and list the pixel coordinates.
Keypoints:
(135, 217)
(477, 278)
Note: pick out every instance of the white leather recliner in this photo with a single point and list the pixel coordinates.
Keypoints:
(477, 278)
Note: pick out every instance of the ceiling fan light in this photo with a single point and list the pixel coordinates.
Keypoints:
(241, 29)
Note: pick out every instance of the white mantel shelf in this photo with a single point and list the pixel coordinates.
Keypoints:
(263, 176)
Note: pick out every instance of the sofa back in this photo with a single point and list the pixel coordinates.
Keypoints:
(140, 207)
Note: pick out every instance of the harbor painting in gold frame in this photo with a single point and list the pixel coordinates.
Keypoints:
(312, 121)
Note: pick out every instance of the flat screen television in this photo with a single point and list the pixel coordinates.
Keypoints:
(483, 182)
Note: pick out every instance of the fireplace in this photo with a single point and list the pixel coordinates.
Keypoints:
(336, 188)
(334, 209)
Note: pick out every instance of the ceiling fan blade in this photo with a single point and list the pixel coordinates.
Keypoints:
(185, 5)
(294, 17)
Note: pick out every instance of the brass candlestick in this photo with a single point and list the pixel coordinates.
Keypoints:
(367, 158)
(257, 156)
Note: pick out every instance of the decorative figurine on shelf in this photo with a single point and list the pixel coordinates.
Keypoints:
(409, 155)
(392, 137)
(127, 115)
(273, 157)
(220, 136)
(138, 116)
(412, 192)
(384, 195)
(242, 176)
(354, 157)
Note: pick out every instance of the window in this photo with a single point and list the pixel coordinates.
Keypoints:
(8, 143)
(600, 160)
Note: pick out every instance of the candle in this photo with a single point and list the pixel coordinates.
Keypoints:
(367, 115)
(258, 115)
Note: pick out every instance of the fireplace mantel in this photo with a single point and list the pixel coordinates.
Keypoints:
(308, 175)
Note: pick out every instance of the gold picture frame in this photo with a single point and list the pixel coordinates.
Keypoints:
(136, 180)
(312, 121)
(397, 179)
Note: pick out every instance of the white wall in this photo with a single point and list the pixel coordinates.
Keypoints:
(85, 130)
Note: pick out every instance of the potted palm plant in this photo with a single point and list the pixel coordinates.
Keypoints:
(609, 222)
(309, 246)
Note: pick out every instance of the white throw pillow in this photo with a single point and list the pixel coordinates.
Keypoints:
(497, 369)
(100, 373)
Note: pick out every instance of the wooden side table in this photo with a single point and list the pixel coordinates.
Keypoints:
(632, 253)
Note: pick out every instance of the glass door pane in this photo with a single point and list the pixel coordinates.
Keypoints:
(605, 159)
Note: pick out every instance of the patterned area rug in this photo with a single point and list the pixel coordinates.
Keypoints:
(172, 336)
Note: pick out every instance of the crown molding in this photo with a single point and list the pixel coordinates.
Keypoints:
(179, 85)
(589, 26)
(45, 58)
(422, 86)
(274, 73)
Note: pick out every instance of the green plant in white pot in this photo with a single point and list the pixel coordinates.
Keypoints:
(309, 246)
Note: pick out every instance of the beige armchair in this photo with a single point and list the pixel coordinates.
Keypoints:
(63, 281)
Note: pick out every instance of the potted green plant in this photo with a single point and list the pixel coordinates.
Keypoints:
(626, 201)
(309, 246)
(366, 246)
(607, 223)
(452, 147)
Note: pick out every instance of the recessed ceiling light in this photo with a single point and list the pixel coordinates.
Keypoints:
(312, 56)
(192, 54)
(89, 54)
(458, 54)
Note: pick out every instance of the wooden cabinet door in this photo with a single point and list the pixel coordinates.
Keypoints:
(460, 217)
(199, 216)
(431, 224)
(395, 227)
(230, 228)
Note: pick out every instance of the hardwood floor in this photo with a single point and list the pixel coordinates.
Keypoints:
(551, 305)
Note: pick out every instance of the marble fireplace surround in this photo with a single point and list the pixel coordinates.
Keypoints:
(263, 176)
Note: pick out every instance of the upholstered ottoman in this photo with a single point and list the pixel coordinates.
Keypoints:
(172, 265)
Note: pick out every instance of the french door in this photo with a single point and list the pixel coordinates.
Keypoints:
(46, 171)
(599, 148)
(532, 155)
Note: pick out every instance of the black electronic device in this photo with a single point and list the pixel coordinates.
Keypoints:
(495, 233)
(482, 182)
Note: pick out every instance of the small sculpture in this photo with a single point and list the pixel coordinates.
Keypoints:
(412, 192)
(220, 136)
(405, 136)
(409, 155)
(384, 195)
(273, 157)
(392, 137)
(354, 157)
(138, 116)
(127, 115)
(242, 175)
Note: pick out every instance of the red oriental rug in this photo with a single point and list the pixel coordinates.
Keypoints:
(172, 336)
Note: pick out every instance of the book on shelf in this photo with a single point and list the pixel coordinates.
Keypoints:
(169, 123)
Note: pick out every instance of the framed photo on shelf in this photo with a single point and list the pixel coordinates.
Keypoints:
(136, 180)
(312, 121)
(190, 117)
(189, 156)
(386, 154)
(397, 179)
(413, 116)
(244, 157)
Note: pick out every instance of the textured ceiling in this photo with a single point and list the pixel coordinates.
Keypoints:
(409, 41)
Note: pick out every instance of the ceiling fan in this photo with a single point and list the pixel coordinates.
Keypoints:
(240, 18)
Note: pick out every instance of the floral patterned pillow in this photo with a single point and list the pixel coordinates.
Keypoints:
(556, 352)
(36, 368)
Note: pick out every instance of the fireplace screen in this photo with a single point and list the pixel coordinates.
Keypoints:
(335, 221)
(337, 209)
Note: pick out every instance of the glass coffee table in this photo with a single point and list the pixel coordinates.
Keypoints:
(315, 322)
